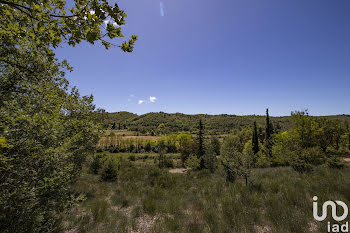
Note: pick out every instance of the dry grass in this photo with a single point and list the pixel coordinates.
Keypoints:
(147, 199)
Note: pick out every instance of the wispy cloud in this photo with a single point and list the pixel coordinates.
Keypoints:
(141, 101)
(162, 13)
(152, 99)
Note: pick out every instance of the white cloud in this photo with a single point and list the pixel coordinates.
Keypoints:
(152, 99)
(141, 101)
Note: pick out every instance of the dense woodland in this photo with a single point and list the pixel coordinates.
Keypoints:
(308, 136)
(166, 123)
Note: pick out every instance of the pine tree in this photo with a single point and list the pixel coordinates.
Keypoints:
(255, 140)
(268, 133)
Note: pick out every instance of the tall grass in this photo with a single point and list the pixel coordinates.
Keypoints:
(148, 199)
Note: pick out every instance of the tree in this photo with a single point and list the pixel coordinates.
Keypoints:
(304, 126)
(255, 140)
(338, 131)
(200, 141)
(186, 146)
(323, 134)
(110, 169)
(48, 130)
(161, 129)
(214, 145)
(163, 161)
(235, 162)
(211, 152)
(268, 133)
(347, 135)
(50, 133)
(148, 146)
(113, 126)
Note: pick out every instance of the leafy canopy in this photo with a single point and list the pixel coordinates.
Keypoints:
(47, 128)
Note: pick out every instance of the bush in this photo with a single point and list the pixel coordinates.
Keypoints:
(132, 158)
(301, 167)
(114, 149)
(335, 162)
(110, 169)
(210, 162)
(193, 162)
(262, 160)
(165, 162)
(308, 158)
(95, 165)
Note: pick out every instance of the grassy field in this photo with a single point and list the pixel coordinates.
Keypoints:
(148, 199)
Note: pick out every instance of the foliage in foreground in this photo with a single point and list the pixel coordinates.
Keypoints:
(47, 129)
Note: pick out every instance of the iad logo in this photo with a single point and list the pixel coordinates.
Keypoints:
(333, 205)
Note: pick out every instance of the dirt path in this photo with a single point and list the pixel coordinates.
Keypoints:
(177, 170)
(346, 159)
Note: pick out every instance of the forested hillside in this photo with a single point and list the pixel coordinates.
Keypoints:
(157, 123)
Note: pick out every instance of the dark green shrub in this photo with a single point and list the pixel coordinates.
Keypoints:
(335, 162)
(132, 158)
(165, 162)
(114, 149)
(110, 169)
(210, 161)
(308, 158)
(301, 166)
(95, 164)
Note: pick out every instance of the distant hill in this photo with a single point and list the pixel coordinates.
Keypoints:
(152, 123)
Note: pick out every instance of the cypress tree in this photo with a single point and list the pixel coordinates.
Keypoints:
(268, 125)
(255, 140)
(268, 133)
(200, 137)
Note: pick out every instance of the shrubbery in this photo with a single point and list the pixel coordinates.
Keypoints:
(307, 159)
(193, 162)
(110, 169)
(165, 162)
(132, 158)
(334, 162)
(95, 164)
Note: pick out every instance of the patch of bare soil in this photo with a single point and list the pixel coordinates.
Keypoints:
(346, 159)
(177, 170)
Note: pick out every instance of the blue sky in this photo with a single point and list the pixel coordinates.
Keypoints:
(223, 56)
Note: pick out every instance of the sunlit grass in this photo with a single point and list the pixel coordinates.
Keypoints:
(148, 199)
